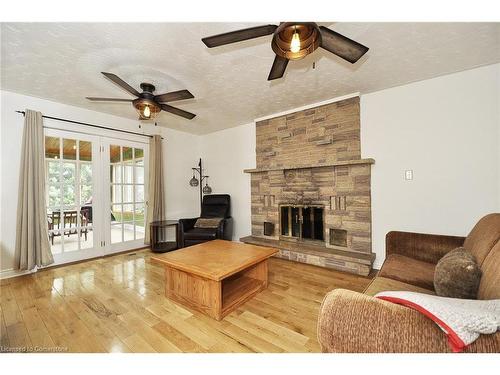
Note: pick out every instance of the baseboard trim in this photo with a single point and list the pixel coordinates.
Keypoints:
(10, 273)
(377, 264)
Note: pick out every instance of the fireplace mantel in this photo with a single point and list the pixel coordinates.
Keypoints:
(286, 168)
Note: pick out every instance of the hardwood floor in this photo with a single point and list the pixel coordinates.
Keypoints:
(117, 304)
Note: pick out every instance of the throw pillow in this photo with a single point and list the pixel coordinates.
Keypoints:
(212, 222)
(457, 275)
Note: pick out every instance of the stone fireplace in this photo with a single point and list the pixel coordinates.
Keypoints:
(310, 192)
(301, 222)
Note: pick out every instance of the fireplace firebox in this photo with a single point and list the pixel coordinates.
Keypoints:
(302, 222)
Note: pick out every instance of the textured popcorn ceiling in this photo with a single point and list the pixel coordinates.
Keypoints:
(62, 62)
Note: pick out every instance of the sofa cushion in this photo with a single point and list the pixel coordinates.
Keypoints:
(201, 234)
(489, 287)
(457, 275)
(409, 270)
(483, 237)
(383, 284)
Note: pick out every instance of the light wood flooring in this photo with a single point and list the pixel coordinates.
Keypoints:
(117, 304)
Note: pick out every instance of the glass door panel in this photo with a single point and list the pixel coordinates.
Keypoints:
(126, 194)
(70, 186)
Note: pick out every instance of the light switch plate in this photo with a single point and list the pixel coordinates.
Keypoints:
(409, 174)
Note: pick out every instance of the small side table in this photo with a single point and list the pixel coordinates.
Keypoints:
(158, 242)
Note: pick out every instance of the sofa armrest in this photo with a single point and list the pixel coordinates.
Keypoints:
(351, 322)
(425, 247)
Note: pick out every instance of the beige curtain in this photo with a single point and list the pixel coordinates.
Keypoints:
(156, 196)
(32, 239)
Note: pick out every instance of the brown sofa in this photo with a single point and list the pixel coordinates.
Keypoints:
(358, 322)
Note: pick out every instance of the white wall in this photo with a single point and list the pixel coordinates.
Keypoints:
(181, 152)
(446, 129)
(226, 154)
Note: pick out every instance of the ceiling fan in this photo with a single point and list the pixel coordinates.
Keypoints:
(147, 104)
(293, 41)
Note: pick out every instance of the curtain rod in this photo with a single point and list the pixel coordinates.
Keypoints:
(92, 125)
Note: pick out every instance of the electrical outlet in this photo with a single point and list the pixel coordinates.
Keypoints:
(409, 174)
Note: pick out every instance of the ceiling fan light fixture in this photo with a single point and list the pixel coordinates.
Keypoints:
(147, 104)
(296, 40)
(293, 41)
(146, 108)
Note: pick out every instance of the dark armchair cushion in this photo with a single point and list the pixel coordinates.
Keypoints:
(216, 205)
(201, 234)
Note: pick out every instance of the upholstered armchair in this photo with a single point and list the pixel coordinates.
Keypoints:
(213, 206)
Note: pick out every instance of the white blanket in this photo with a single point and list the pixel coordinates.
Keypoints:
(463, 320)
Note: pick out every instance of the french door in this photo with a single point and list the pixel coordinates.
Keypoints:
(125, 193)
(96, 193)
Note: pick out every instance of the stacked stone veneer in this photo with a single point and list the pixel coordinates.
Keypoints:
(321, 135)
(313, 157)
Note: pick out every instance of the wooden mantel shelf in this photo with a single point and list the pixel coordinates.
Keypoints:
(284, 168)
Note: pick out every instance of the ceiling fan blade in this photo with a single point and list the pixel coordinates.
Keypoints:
(94, 99)
(177, 111)
(341, 46)
(120, 82)
(278, 68)
(173, 96)
(238, 35)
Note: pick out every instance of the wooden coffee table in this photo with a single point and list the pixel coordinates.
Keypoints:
(215, 277)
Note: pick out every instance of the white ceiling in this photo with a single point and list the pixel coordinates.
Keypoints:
(62, 62)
